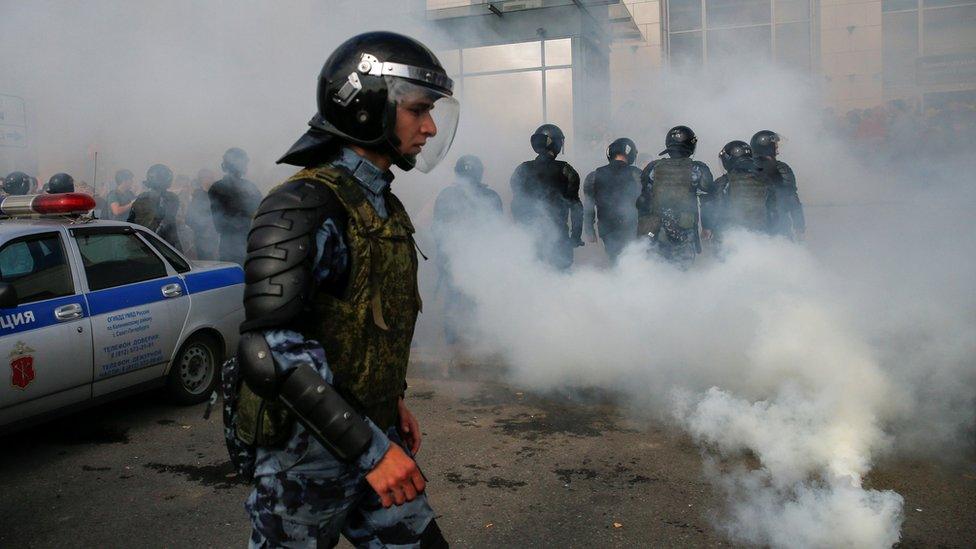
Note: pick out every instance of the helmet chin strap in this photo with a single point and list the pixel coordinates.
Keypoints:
(405, 162)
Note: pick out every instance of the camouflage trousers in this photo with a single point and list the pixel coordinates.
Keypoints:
(681, 252)
(294, 510)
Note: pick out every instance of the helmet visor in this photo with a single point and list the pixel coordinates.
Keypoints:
(427, 119)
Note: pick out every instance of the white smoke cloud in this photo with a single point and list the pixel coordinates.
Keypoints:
(808, 363)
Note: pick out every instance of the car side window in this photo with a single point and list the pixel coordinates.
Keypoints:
(179, 264)
(37, 267)
(114, 259)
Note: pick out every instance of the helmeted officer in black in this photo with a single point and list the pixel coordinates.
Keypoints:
(609, 196)
(746, 200)
(60, 183)
(156, 208)
(787, 212)
(545, 198)
(460, 209)
(17, 183)
(668, 204)
(314, 407)
(233, 201)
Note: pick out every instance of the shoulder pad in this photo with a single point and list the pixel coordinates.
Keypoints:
(280, 251)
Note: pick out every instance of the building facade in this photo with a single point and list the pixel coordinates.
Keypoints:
(865, 53)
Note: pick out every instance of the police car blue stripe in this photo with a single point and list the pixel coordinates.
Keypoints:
(130, 295)
(211, 280)
(33, 316)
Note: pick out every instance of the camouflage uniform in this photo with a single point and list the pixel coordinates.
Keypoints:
(157, 211)
(668, 207)
(303, 496)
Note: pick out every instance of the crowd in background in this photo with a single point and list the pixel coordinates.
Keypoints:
(204, 217)
(902, 128)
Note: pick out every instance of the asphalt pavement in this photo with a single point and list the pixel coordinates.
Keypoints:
(507, 468)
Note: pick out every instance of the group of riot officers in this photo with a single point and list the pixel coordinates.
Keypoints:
(672, 204)
(224, 207)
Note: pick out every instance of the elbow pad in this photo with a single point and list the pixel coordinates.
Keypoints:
(325, 414)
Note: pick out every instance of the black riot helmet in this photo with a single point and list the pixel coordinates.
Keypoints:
(765, 144)
(680, 141)
(235, 162)
(61, 183)
(548, 138)
(122, 176)
(360, 87)
(17, 183)
(470, 167)
(158, 177)
(625, 147)
(735, 154)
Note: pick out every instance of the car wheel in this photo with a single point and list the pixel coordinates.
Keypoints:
(195, 370)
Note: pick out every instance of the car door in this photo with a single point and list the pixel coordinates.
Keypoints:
(128, 286)
(45, 341)
(179, 305)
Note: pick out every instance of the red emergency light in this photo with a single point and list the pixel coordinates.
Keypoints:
(46, 204)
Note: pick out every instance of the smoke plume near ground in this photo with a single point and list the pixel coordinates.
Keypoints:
(807, 363)
(795, 367)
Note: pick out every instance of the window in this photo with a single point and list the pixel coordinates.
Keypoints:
(114, 259)
(504, 57)
(515, 87)
(752, 43)
(944, 3)
(900, 38)
(740, 30)
(686, 49)
(949, 30)
(899, 5)
(179, 264)
(737, 13)
(684, 15)
(559, 52)
(36, 267)
(792, 10)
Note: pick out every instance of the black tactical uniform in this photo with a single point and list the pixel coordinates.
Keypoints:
(609, 196)
(157, 208)
(233, 201)
(331, 299)
(545, 196)
(787, 212)
(668, 205)
(460, 209)
(746, 198)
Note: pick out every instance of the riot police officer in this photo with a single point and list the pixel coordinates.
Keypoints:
(331, 299)
(668, 205)
(60, 183)
(545, 195)
(459, 210)
(233, 201)
(787, 212)
(609, 196)
(17, 183)
(747, 198)
(157, 208)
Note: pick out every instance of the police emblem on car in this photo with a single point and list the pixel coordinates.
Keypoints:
(21, 366)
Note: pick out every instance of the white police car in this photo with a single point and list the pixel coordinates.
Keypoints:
(93, 309)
